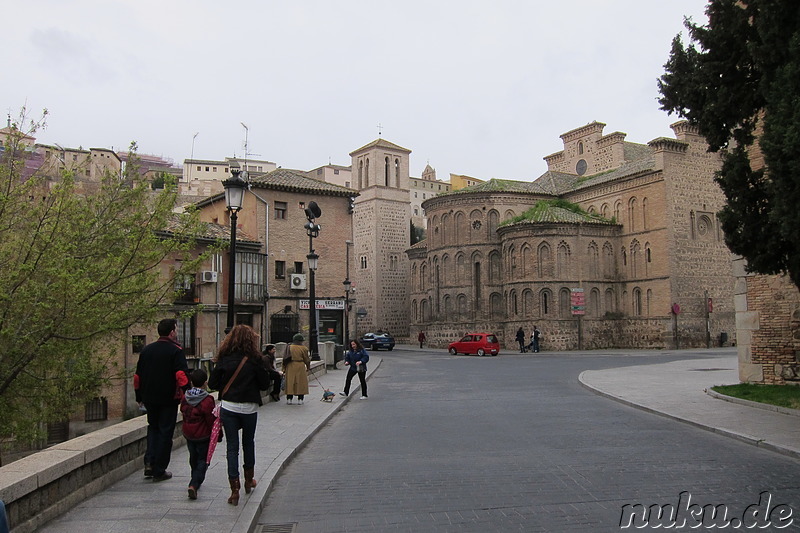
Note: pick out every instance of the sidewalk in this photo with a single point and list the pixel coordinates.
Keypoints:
(138, 505)
(677, 390)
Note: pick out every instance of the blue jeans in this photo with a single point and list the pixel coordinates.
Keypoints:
(231, 424)
(198, 453)
(160, 431)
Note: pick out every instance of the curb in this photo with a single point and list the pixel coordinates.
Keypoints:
(741, 437)
(758, 405)
(251, 512)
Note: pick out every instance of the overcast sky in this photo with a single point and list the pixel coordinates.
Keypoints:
(482, 88)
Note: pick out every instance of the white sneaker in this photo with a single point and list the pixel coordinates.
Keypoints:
(342, 394)
(300, 401)
(363, 398)
(288, 402)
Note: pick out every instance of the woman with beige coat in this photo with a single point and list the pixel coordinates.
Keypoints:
(296, 370)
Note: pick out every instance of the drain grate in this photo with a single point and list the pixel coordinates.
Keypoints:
(277, 528)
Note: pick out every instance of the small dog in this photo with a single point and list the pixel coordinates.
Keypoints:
(327, 396)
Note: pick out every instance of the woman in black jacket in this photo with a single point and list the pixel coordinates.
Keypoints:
(240, 350)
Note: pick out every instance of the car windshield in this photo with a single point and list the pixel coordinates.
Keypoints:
(467, 338)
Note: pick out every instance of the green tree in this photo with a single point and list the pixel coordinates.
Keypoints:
(76, 270)
(741, 86)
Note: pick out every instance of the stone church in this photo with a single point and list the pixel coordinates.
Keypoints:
(617, 245)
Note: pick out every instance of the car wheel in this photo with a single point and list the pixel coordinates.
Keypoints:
(453, 351)
(481, 352)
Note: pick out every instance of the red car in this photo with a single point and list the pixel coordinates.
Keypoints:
(477, 343)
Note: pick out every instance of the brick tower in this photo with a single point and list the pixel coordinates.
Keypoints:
(381, 236)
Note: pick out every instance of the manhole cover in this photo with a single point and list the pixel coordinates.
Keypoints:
(277, 528)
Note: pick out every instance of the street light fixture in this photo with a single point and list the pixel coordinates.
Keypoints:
(312, 230)
(347, 288)
(235, 187)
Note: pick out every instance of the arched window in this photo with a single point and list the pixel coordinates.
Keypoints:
(594, 261)
(624, 257)
(496, 305)
(617, 207)
(397, 173)
(462, 306)
(361, 174)
(594, 302)
(460, 227)
(526, 261)
(580, 147)
(632, 214)
(423, 277)
(443, 233)
(608, 261)
(610, 301)
(414, 281)
(635, 249)
(544, 261)
(495, 275)
(448, 308)
(562, 261)
(492, 221)
(461, 275)
(366, 173)
(604, 210)
(647, 258)
(637, 301)
(644, 213)
(648, 302)
(424, 311)
(564, 308)
(512, 300)
(527, 302)
(545, 299)
(386, 171)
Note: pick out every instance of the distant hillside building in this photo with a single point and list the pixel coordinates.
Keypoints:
(616, 245)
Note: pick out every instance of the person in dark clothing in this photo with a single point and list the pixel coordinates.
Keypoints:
(197, 408)
(535, 339)
(239, 408)
(158, 383)
(520, 338)
(274, 374)
(356, 358)
(421, 338)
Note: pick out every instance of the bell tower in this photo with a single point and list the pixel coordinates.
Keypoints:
(381, 235)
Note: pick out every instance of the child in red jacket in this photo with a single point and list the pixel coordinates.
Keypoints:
(197, 408)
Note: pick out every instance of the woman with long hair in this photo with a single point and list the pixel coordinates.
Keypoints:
(239, 362)
(356, 358)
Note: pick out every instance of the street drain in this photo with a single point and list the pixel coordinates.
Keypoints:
(278, 528)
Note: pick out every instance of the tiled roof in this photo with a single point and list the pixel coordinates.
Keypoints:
(555, 215)
(215, 232)
(285, 179)
(383, 143)
(499, 185)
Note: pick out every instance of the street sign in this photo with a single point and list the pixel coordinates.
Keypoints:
(324, 304)
(578, 301)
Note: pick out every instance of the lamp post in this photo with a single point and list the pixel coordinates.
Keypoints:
(312, 230)
(347, 287)
(235, 187)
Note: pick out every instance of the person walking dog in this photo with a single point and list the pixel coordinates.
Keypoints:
(356, 358)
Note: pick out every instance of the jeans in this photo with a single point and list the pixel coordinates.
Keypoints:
(198, 453)
(160, 431)
(231, 424)
(362, 376)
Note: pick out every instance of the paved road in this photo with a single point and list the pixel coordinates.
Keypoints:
(510, 443)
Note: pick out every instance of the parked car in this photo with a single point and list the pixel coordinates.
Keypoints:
(477, 343)
(378, 341)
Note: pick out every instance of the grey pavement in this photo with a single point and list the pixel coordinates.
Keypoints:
(142, 506)
(676, 390)
(680, 390)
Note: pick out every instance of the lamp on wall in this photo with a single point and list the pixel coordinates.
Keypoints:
(312, 230)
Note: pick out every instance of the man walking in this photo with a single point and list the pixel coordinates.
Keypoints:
(160, 376)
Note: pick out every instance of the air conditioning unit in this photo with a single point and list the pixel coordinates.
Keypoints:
(297, 282)
(208, 276)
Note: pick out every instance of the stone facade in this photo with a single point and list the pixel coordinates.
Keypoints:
(647, 244)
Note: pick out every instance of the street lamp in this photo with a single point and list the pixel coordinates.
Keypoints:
(347, 287)
(312, 230)
(235, 187)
